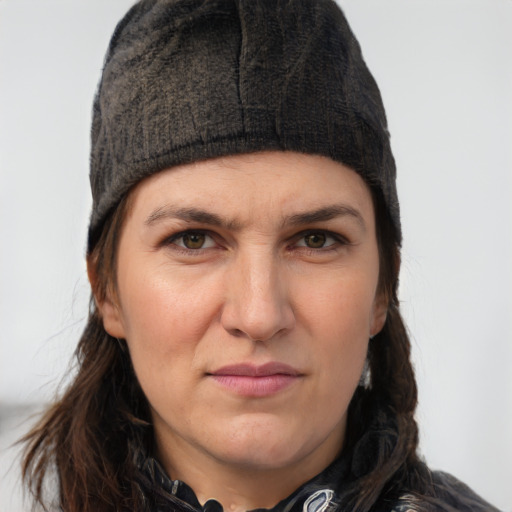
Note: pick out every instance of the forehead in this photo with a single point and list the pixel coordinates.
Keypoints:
(255, 186)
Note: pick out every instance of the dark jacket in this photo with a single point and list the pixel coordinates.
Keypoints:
(411, 487)
(324, 493)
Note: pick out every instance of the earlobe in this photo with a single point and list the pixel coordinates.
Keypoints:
(379, 315)
(112, 321)
(106, 305)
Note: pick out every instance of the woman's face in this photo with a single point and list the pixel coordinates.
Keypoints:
(247, 292)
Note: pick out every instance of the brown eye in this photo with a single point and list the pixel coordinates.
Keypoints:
(194, 240)
(315, 240)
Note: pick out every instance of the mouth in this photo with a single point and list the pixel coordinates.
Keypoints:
(256, 381)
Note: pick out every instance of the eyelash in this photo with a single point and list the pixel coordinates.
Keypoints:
(338, 241)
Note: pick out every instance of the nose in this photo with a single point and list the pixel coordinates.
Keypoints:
(257, 304)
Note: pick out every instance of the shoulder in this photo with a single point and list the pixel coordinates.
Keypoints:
(449, 495)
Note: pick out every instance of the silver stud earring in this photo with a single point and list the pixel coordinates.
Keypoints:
(364, 380)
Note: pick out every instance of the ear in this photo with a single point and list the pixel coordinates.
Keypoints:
(107, 306)
(379, 314)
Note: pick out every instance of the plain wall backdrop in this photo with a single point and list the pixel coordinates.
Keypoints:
(445, 72)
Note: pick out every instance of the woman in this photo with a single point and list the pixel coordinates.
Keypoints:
(245, 347)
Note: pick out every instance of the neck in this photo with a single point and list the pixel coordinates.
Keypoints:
(238, 487)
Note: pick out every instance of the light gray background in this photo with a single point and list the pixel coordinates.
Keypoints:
(445, 71)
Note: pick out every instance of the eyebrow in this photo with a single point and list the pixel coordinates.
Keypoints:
(190, 215)
(325, 213)
(205, 217)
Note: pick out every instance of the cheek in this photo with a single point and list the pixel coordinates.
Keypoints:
(338, 315)
(165, 314)
(341, 306)
(165, 320)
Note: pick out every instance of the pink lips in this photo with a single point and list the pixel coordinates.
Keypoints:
(256, 381)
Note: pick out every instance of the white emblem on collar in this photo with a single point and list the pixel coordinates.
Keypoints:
(318, 501)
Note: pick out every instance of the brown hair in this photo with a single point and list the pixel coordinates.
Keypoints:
(87, 437)
(90, 436)
(381, 420)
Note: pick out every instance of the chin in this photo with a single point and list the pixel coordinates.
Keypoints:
(261, 455)
(261, 443)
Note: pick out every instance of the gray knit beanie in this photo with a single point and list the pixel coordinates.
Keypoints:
(187, 80)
